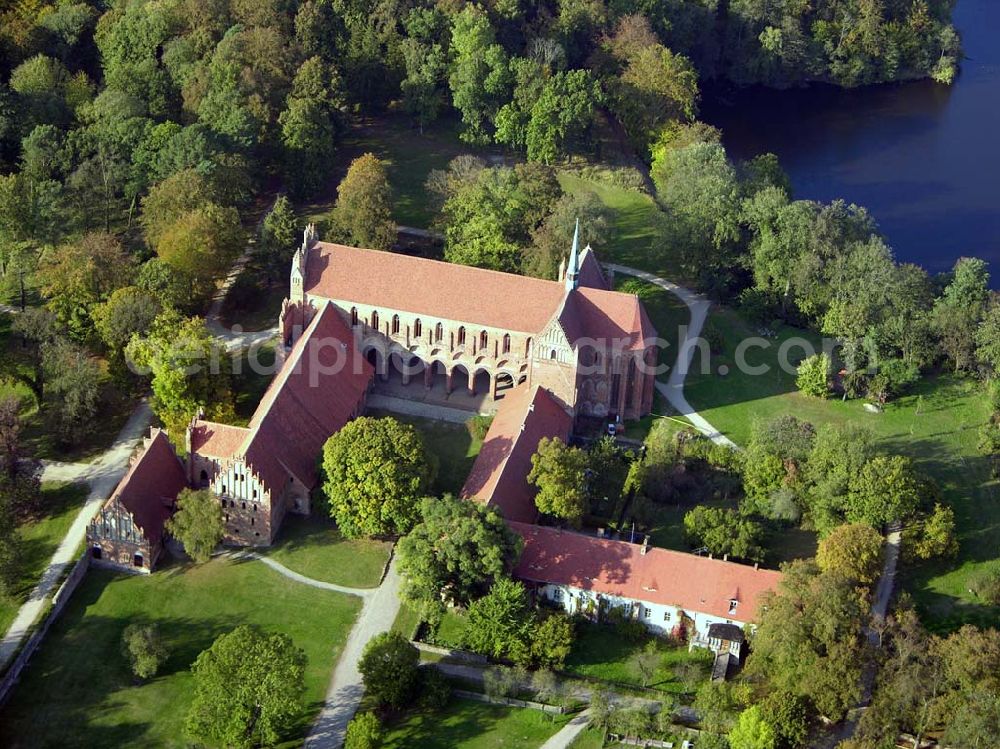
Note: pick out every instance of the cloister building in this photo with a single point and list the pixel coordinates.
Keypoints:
(433, 324)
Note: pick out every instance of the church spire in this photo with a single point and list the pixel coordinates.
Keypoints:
(573, 268)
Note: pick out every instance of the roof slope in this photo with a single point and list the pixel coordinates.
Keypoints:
(661, 576)
(151, 485)
(217, 440)
(315, 393)
(431, 287)
(499, 477)
(590, 273)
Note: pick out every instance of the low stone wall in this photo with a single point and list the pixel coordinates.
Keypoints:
(59, 601)
(510, 701)
(458, 655)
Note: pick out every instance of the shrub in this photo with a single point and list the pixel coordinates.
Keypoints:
(142, 645)
(435, 689)
(813, 377)
(363, 732)
(503, 681)
(628, 628)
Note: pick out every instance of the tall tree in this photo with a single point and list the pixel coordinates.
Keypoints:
(197, 524)
(560, 473)
(389, 668)
(363, 213)
(276, 240)
(456, 552)
(247, 689)
(480, 80)
(377, 470)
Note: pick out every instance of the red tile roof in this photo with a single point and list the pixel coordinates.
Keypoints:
(218, 441)
(474, 295)
(316, 392)
(660, 576)
(431, 287)
(151, 485)
(590, 273)
(499, 477)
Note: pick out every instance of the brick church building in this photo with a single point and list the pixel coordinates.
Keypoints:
(426, 321)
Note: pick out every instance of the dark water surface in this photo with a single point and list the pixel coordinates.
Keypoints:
(922, 157)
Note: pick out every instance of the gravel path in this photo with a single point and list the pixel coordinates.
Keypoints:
(346, 688)
(102, 475)
(673, 388)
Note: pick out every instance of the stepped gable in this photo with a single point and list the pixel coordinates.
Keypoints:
(314, 395)
(499, 477)
(150, 487)
(660, 576)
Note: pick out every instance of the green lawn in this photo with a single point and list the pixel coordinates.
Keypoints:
(407, 621)
(451, 631)
(936, 425)
(633, 237)
(312, 546)
(78, 690)
(599, 652)
(41, 536)
(249, 385)
(451, 444)
(410, 156)
(589, 739)
(465, 724)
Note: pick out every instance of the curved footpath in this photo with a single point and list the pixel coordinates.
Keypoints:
(102, 476)
(673, 388)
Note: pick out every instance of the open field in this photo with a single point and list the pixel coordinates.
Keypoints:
(599, 652)
(936, 425)
(41, 536)
(78, 690)
(451, 444)
(465, 724)
(312, 546)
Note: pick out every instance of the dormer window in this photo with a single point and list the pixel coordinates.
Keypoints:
(732, 605)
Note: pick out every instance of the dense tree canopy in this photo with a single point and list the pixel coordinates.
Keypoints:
(456, 552)
(197, 523)
(247, 689)
(377, 470)
(560, 473)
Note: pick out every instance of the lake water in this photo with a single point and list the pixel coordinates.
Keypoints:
(922, 157)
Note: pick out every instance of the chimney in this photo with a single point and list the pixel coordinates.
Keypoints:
(645, 546)
(756, 565)
(710, 555)
(725, 557)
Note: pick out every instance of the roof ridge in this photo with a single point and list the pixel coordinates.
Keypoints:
(435, 261)
(281, 379)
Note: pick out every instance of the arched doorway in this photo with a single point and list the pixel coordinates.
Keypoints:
(377, 360)
(504, 382)
(481, 382)
(460, 380)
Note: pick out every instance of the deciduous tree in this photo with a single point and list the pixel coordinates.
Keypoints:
(247, 689)
(500, 622)
(389, 668)
(143, 647)
(885, 490)
(456, 552)
(363, 213)
(377, 470)
(560, 473)
(197, 523)
(853, 551)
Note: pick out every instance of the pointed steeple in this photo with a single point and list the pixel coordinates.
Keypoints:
(573, 268)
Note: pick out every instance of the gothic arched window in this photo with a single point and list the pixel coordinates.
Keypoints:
(506, 343)
(375, 319)
(395, 324)
(461, 336)
(354, 315)
(438, 332)
(484, 339)
(418, 327)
